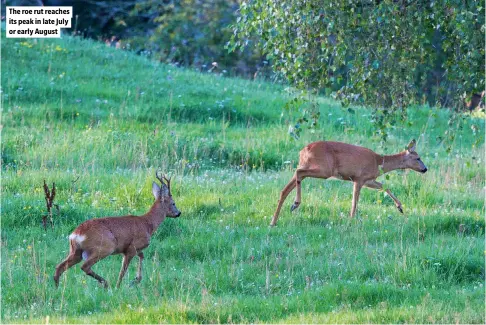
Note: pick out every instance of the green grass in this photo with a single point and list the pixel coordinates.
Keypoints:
(99, 122)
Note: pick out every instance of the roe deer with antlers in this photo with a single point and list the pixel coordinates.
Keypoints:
(96, 239)
(325, 159)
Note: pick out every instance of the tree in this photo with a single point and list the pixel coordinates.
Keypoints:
(186, 32)
(182, 32)
(385, 54)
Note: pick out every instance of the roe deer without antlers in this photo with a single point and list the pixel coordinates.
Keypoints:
(325, 159)
(96, 239)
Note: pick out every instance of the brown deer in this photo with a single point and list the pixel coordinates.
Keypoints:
(325, 159)
(476, 100)
(95, 239)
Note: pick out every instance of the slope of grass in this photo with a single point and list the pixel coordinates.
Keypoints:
(99, 122)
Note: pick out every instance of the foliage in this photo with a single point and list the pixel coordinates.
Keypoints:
(188, 32)
(384, 54)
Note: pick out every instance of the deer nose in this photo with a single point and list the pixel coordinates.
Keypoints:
(177, 215)
(423, 170)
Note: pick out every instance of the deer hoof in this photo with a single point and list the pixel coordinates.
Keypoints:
(134, 282)
(273, 222)
(400, 209)
(294, 206)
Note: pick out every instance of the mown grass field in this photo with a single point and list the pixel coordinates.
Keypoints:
(98, 122)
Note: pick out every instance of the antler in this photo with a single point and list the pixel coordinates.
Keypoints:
(168, 183)
(161, 179)
(158, 177)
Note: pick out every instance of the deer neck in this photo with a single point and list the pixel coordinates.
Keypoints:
(392, 162)
(155, 216)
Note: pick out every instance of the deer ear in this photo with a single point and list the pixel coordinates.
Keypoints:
(411, 145)
(155, 190)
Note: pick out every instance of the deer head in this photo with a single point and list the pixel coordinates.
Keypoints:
(412, 158)
(163, 195)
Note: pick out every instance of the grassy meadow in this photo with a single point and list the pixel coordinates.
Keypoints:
(98, 122)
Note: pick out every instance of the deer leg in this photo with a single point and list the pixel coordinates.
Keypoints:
(283, 195)
(90, 261)
(72, 259)
(298, 181)
(300, 174)
(139, 270)
(127, 258)
(379, 186)
(356, 189)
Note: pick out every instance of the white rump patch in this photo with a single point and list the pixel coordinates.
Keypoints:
(77, 238)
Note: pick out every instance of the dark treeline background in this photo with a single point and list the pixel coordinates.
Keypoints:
(195, 33)
(186, 32)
